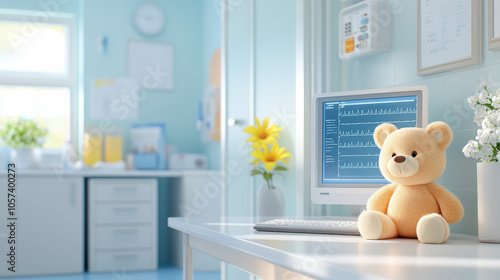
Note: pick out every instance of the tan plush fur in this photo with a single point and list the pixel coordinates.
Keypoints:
(411, 159)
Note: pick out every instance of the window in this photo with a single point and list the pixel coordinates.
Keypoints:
(37, 72)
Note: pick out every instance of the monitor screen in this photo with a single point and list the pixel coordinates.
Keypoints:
(345, 154)
(349, 152)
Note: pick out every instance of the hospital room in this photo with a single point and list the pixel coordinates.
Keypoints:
(249, 139)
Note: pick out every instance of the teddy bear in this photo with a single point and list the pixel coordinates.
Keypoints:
(412, 205)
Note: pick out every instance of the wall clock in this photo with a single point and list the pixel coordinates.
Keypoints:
(149, 19)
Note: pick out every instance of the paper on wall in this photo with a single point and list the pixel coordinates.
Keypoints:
(114, 99)
(446, 31)
(152, 64)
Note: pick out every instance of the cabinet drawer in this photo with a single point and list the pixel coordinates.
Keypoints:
(118, 261)
(127, 213)
(122, 190)
(122, 238)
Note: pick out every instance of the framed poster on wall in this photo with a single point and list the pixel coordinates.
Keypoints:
(493, 25)
(448, 34)
(152, 65)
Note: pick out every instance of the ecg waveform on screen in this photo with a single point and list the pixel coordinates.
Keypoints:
(358, 144)
(349, 150)
(358, 155)
(359, 165)
(356, 133)
(376, 123)
(376, 112)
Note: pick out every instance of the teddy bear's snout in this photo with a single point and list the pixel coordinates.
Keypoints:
(399, 159)
(402, 166)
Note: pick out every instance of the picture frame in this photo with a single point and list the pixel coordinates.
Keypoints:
(493, 33)
(151, 64)
(449, 35)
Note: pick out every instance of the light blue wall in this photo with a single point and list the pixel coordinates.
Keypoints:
(176, 108)
(448, 92)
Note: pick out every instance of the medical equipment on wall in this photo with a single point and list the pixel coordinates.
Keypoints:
(209, 114)
(209, 109)
(365, 28)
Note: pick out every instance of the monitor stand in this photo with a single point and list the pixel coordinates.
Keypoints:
(357, 209)
(355, 212)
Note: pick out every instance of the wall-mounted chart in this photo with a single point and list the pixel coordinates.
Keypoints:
(493, 25)
(449, 34)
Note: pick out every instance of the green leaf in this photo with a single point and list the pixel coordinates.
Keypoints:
(280, 168)
(255, 172)
(268, 176)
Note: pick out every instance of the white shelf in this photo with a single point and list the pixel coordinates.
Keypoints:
(112, 173)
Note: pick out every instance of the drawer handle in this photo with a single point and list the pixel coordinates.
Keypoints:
(124, 231)
(126, 209)
(124, 189)
(129, 256)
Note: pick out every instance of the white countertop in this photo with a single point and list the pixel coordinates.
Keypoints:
(351, 257)
(112, 173)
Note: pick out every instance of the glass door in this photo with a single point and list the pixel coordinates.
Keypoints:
(238, 113)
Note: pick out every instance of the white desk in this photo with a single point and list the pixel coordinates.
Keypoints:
(284, 255)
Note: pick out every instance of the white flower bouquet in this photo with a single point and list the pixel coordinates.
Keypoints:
(486, 105)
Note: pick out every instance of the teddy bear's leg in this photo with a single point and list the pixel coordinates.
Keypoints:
(433, 228)
(376, 225)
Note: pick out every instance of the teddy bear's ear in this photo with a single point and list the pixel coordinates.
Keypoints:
(381, 133)
(441, 132)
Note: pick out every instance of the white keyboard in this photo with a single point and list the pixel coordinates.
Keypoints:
(342, 225)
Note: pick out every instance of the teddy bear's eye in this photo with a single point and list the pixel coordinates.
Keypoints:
(394, 154)
(414, 154)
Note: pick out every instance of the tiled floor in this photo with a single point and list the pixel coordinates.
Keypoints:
(164, 273)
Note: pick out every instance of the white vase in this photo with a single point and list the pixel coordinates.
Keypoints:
(270, 202)
(25, 158)
(3, 158)
(488, 206)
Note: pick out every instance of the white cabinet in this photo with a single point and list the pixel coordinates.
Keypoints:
(49, 230)
(122, 224)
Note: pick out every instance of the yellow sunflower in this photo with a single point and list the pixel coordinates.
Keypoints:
(262, 135)
(270, 158)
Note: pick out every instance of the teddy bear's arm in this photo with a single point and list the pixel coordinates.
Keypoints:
(451, 208)
(379, 201)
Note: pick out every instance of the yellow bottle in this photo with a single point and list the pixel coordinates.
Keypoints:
(113, 148)
(92, 148)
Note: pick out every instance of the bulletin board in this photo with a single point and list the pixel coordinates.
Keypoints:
(449, 34)
(152, 65)
(493, 25)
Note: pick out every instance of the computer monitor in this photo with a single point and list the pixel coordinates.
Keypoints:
(344, 156)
